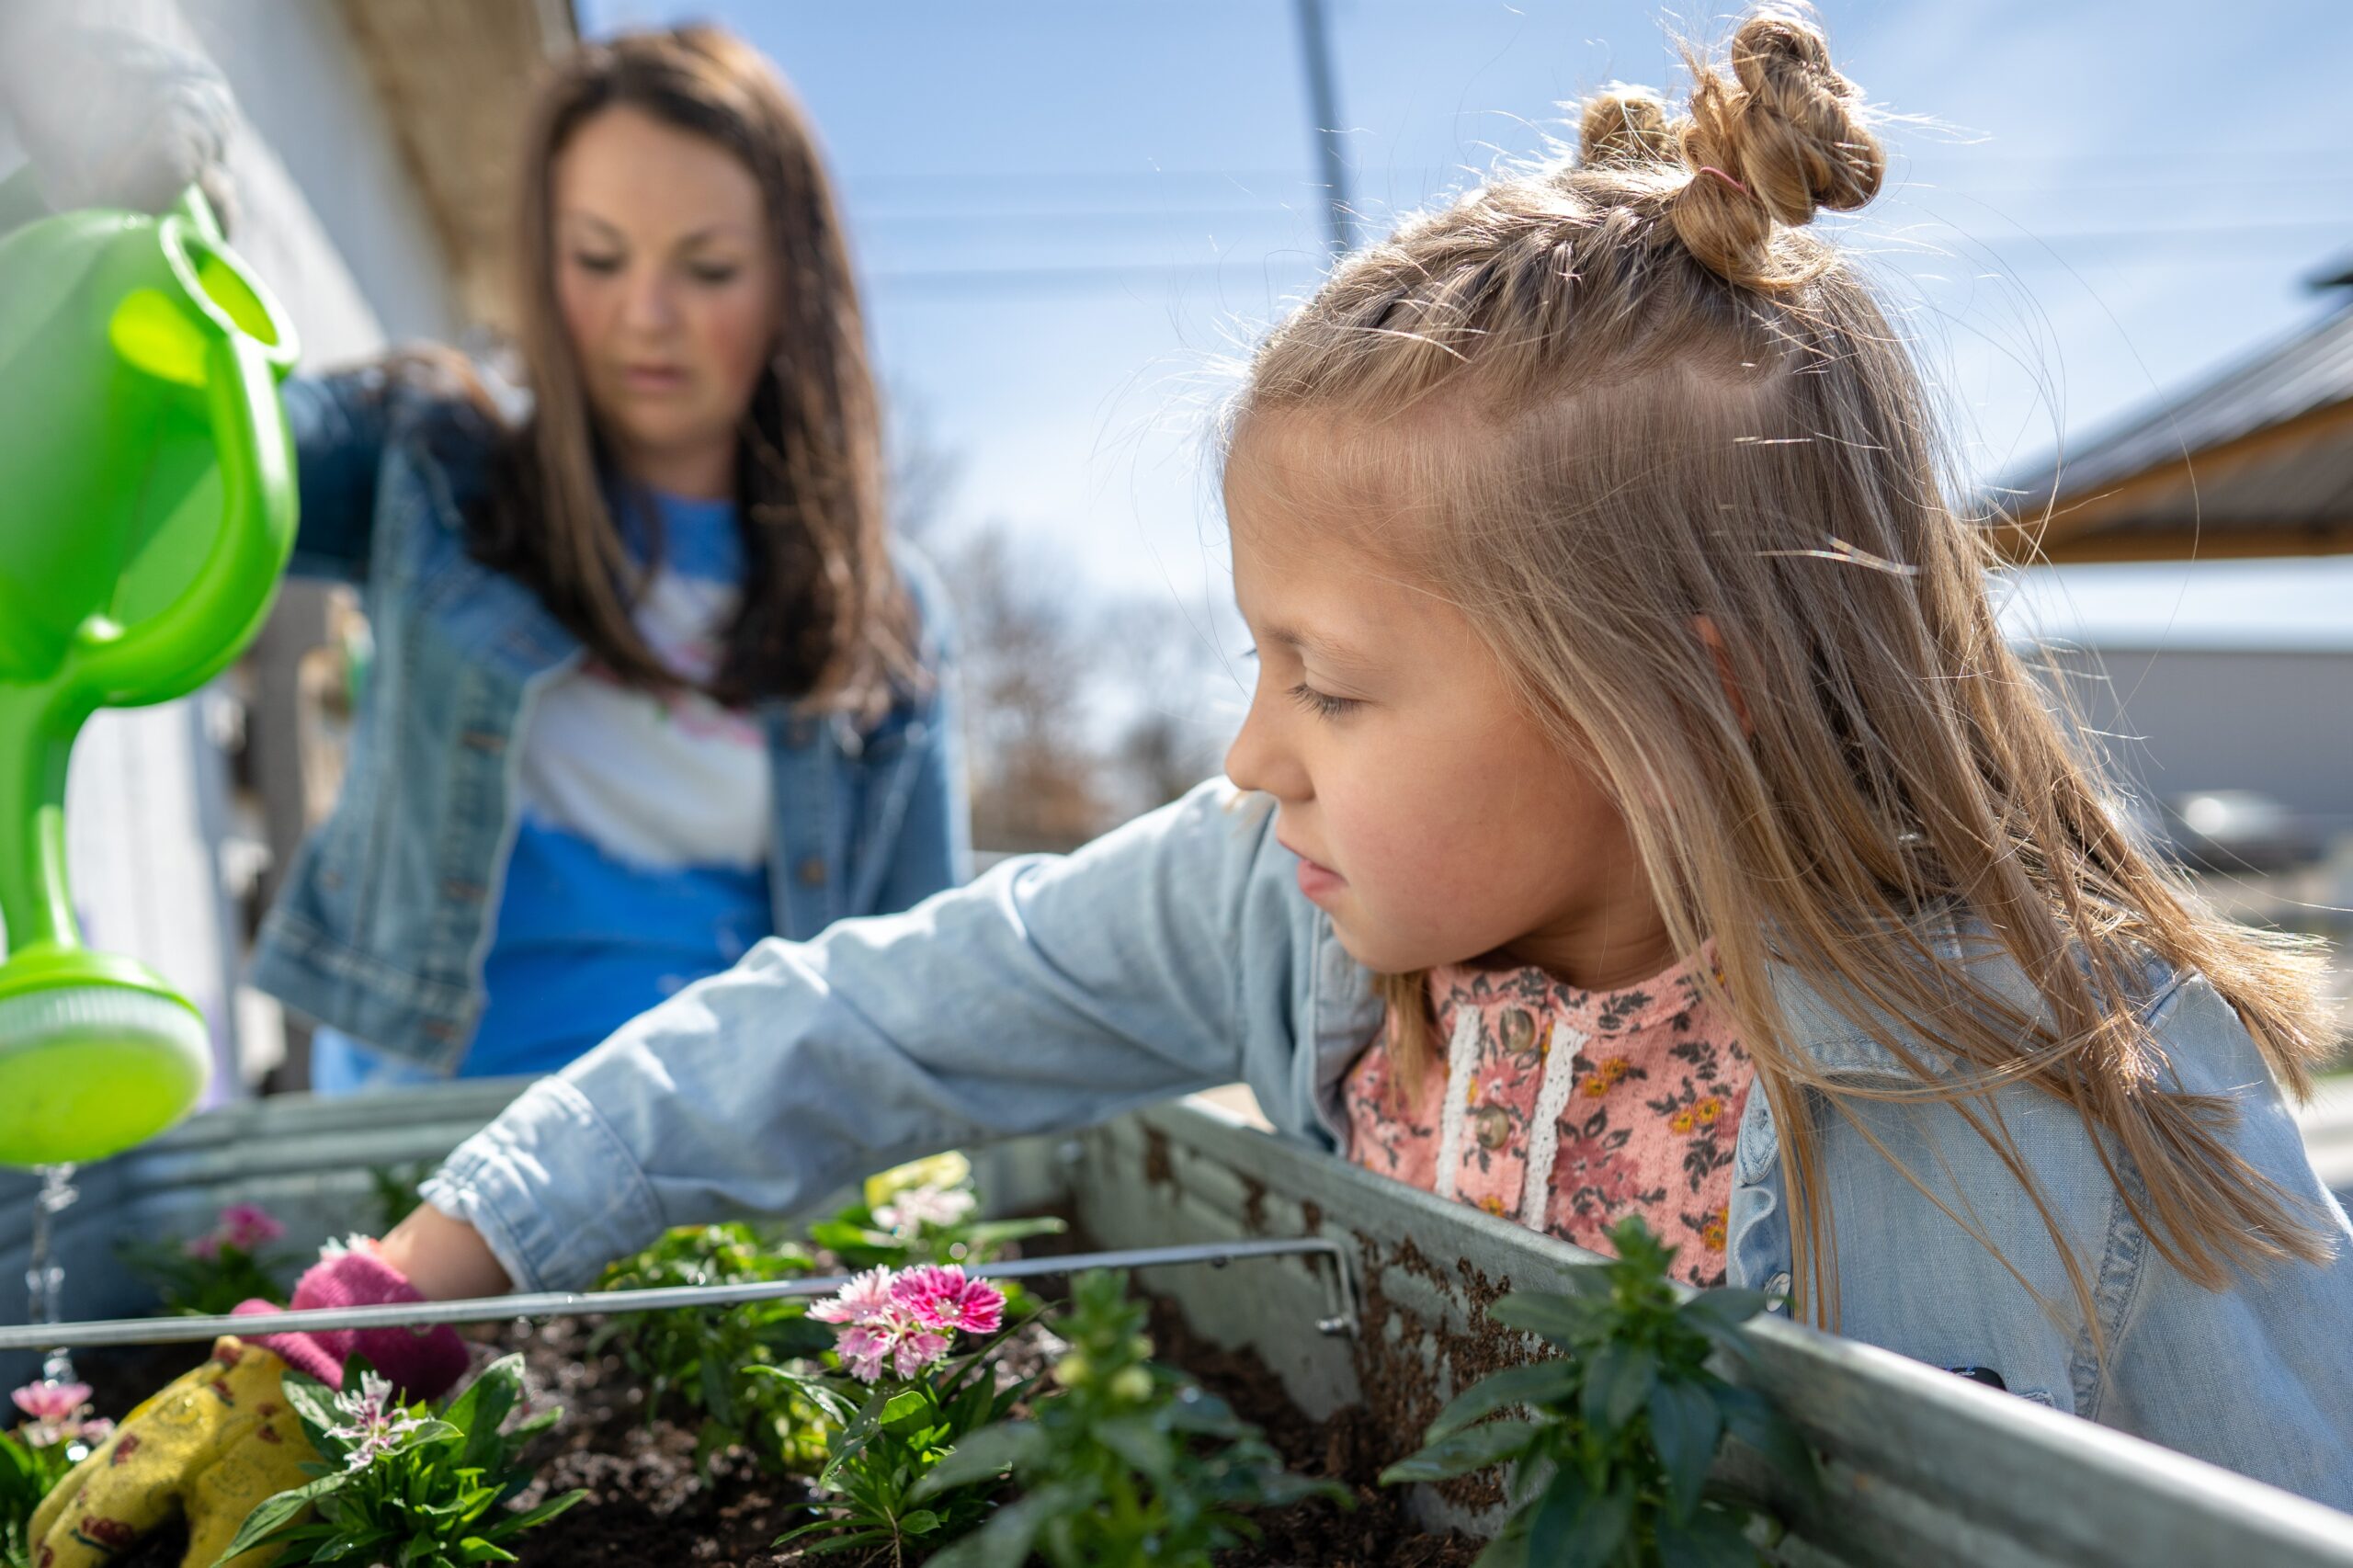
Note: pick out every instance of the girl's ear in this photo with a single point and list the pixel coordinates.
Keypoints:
(1714, 638)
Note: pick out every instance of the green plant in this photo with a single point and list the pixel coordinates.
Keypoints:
(33, 1459)
(904, 1405)
(209, 1275)
(1129, 1464)
(1613, 1461)
(701, 1358)
(922, 1212)
(398, 1483)
(394, 1191)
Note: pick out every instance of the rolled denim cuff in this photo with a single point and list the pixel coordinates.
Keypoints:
(554, 1192)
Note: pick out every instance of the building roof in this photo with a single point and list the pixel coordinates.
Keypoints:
(2256, 460)
(455, 77)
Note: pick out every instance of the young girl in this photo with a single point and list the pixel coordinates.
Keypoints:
(650, 685)
(1639, 812)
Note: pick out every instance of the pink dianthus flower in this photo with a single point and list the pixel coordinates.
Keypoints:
(942, 1298)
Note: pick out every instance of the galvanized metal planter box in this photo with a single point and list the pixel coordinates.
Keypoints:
(1924, 1468)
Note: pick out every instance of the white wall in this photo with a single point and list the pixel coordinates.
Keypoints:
(2186, 719)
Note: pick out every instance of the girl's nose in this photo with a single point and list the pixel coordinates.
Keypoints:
(1258, 759)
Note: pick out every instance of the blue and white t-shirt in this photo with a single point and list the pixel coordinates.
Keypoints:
(639, 860)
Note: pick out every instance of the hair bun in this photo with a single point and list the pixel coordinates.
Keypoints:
(1780, 141)
(1624, 125)
(1799, 140)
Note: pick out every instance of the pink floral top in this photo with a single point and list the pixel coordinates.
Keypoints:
(1568, 1109)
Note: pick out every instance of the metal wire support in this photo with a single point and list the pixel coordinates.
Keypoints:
(1339, 1296)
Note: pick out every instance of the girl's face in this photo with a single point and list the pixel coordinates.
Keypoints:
(1434, 820)
(667, 281)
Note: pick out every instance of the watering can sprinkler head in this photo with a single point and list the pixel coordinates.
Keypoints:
(146, 513)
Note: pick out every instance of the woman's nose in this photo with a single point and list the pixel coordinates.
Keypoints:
(647, 305)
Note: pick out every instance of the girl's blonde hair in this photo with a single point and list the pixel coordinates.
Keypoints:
(1610, 397)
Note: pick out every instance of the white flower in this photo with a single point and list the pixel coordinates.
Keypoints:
(913, 1208)
(377, 1422)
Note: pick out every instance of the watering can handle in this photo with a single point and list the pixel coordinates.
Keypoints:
(183, 646)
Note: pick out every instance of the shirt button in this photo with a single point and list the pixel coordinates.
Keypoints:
(811, 872)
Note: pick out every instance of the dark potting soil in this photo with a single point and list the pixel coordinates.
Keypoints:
(648, 1504)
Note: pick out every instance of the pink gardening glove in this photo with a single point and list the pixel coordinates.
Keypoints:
(422, 1363)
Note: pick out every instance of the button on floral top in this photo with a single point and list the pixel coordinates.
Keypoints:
(1568, 1109)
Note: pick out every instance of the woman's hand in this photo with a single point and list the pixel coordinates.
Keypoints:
(444, 1258)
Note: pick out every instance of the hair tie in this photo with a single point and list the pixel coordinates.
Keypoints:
(1711, 169)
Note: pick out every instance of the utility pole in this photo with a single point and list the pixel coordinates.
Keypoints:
(1322, 105)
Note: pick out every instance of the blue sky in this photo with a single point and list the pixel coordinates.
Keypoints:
(1069, 213)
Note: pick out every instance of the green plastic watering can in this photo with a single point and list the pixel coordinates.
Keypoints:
(146, 514)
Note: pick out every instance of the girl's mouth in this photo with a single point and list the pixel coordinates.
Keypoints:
(1316, 880)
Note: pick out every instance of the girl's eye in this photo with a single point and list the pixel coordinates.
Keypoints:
(600, 264)
(1323, 704)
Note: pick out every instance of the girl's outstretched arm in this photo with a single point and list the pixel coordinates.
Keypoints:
(446, 1259)
(1052, 992)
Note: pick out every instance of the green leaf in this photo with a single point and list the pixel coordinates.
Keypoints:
(1757, 1422)
(1473, 1448)
(1617, 1379)
(838, 1235)
(923, 1521)
(1539, 1382)
(475, 1549)
(1725, 1307)
(1004, 1542)
(988, 1452)
(907, 1404)
(1509, 1549)
(1564, 1320)
(1711, 1539)
(1685, 1425)
(271, 1513)
(530, 1518)
(1134, 1439)
(312, 1401)
(1572, 1529)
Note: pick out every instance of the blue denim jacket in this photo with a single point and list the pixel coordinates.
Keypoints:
(381, 924)
(1177, 952)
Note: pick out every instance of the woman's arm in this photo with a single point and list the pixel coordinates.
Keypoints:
(338, 421)
(1054, 993)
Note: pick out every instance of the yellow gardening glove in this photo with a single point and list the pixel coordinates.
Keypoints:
(212, 1445)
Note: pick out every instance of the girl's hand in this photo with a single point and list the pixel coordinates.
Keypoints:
(444, 1258)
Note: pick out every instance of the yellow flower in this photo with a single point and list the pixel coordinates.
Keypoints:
(1712, 1234)
(1493, 1205)
(1707, 1109)
(1682, 1122)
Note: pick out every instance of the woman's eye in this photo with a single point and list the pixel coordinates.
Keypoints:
(1321, 704)
(602, 264)
(710, 272)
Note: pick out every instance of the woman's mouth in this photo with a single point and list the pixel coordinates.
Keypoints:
(653, 378)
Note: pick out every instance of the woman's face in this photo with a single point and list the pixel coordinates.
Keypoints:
(667, 281)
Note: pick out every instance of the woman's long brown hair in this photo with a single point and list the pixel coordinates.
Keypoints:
(824, 616)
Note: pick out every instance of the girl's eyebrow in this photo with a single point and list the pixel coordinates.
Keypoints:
(1324, 648)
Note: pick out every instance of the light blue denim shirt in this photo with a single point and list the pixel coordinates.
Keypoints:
(1177, 952)
(381, 926)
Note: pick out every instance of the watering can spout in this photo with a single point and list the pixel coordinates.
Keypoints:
(146, 513)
